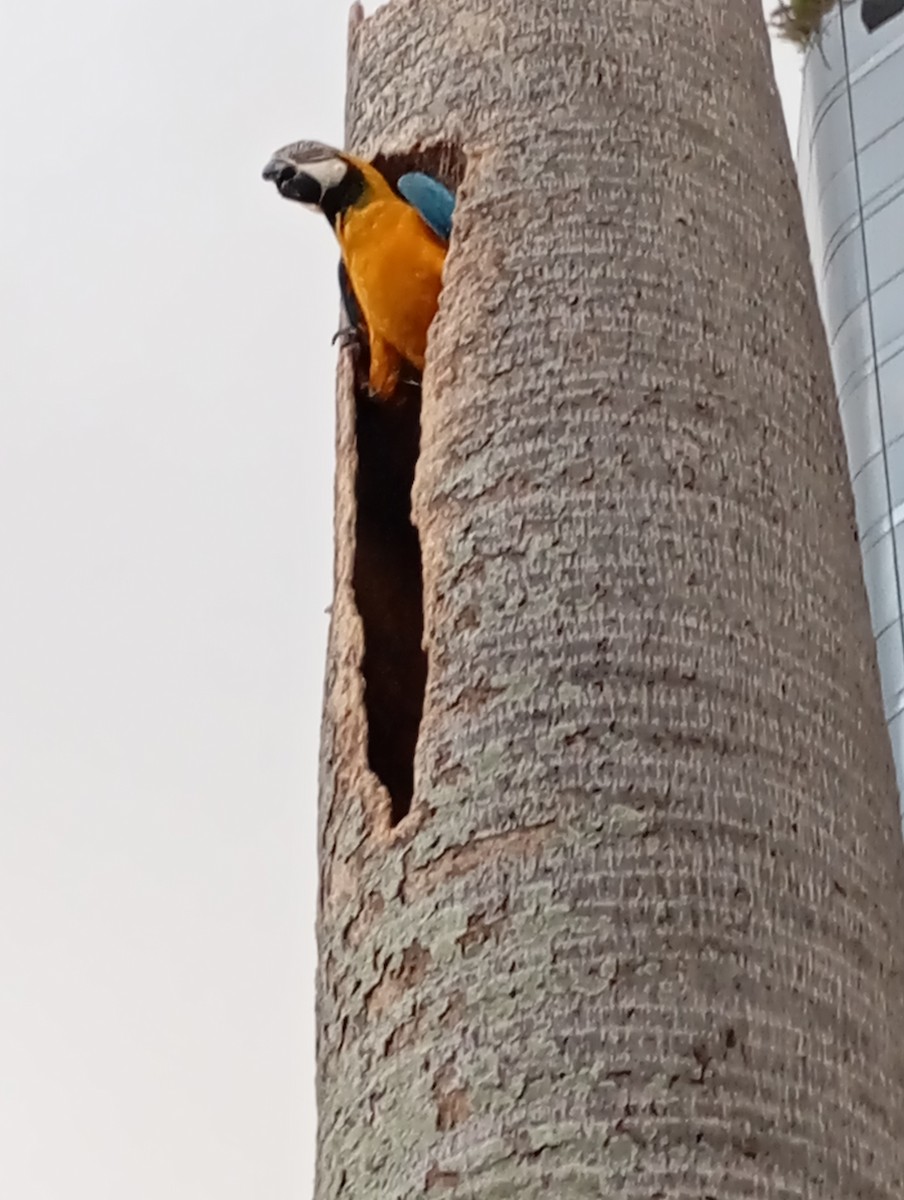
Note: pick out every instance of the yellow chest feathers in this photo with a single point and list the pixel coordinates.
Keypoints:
(395, 264)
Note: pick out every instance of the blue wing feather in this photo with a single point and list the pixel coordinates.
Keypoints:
(434, 202)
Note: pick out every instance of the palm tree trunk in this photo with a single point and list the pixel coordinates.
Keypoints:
(641, 932)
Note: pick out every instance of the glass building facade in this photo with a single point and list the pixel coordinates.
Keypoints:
(850, 161)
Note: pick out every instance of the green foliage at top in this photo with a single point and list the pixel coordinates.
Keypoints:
(800, 20)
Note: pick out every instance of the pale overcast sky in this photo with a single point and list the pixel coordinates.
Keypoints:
(166, 435)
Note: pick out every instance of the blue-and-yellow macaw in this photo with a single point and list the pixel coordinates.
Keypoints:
(393, 243)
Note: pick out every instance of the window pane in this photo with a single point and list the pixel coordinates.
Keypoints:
(877, 12)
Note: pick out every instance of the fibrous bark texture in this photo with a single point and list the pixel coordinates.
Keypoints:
(641, 933)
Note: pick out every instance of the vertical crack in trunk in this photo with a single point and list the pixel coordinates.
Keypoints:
(387, 579)
(389, 589)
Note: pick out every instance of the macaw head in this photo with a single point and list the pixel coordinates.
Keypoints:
(321, 177)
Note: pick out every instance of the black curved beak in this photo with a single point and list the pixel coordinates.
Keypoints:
(291, 182)
(278, 171)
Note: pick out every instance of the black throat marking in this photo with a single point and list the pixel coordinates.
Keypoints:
(350, 190)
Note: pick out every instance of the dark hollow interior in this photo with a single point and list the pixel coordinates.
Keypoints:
(389, 590)
(388, 580)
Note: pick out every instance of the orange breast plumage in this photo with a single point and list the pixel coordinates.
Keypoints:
(394, 264)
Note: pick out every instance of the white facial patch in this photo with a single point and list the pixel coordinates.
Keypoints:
(328, 172)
